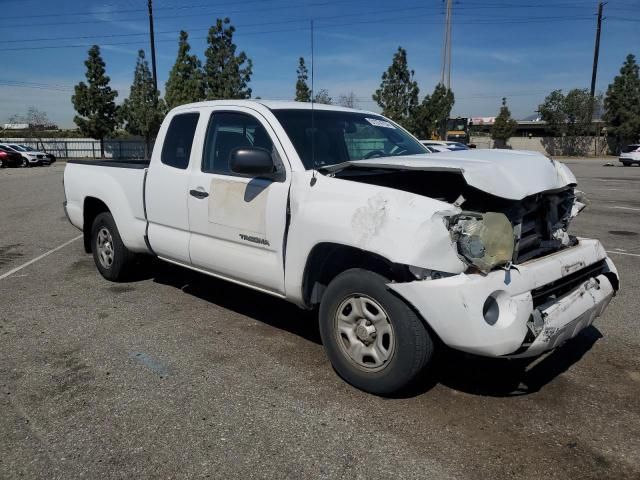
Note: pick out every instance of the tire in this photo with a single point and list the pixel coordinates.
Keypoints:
(626, 164)
(25, 163)
(110, 255)
(398, 338)
(1, 164)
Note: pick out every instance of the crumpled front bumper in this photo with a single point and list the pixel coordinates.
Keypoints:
(453, 306)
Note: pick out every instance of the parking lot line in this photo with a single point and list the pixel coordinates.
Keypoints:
(17, 269)
(626, 208)
(624, 253)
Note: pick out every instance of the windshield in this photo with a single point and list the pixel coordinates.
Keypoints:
(343, 136)
(17, 147)
(630, 148)
(27, 148)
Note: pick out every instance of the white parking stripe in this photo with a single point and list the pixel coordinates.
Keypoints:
(627, 208)
(624, 253)
(17, 269)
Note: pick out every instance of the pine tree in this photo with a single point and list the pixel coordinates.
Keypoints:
(504, 126)
(95, 101)
(433, 112)
(398, 92)
(225, 74)
(622, 104)
(143, 111)
(185, 83)
(303, 93)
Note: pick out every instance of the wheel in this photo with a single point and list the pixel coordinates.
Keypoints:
(111, 256)
(373, 339)
(1, 163)
(626, 164)
(25, 163)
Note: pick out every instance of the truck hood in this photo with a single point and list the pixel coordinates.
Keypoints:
(510, 174)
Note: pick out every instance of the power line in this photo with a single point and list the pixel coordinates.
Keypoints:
(389, 21)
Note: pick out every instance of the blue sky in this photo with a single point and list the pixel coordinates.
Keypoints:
(513, 48)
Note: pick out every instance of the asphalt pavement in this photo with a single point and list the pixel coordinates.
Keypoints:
(178, 375)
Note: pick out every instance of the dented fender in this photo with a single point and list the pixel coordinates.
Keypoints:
(402, 227)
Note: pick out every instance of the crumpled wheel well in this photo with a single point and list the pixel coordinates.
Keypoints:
(328, 260)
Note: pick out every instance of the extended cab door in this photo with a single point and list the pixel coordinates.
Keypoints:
(167, 188)
(238, 223)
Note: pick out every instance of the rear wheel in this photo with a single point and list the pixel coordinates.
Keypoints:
(1, 163)
(372, 338)
(111, 256)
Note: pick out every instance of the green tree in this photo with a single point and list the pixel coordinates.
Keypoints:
(143, 111)
(185, 83)
(433, 112)
(568, 119)
(398, 92)
(303, 93)
(622, 103)
(95, 101)
(226, 75)
(568, 115)
(504, 127)
(323, 97)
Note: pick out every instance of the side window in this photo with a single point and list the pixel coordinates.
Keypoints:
(176, 149)
(228, 131)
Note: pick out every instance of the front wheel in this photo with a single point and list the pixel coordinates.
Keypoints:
(25, 163)
(110, 255)
(626, 164)
(372, 338)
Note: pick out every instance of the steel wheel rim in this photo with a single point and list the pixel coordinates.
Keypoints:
(105, 248)
(364, 332)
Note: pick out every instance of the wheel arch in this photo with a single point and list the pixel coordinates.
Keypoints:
(327, 260)
(91, 208)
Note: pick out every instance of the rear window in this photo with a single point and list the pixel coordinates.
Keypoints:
(176, 149)
(630, 148)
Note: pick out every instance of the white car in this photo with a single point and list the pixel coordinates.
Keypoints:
(435, 146)
(630, 155)
(30, 157)
(344, 210)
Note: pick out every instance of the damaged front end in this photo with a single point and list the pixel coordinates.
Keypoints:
(519, 231)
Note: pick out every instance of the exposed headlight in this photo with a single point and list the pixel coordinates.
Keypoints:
(485, 240)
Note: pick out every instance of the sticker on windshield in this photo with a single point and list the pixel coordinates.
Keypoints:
(379, 123)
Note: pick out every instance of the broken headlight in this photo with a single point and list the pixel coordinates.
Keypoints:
(485, 240)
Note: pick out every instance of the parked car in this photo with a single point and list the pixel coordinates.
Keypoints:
(9, 158)
(630, 155)
(443, 146)
(456, 146)
(31, 158)
(50, 156)
(344, 210)
(434, 146)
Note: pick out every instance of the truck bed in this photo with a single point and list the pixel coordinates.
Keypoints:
(138, 164)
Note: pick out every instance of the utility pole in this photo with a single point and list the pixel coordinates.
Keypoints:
(596, 52)
(445, 72)
(153, 46)
(594, 71)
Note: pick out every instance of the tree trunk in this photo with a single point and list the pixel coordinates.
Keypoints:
(102, 148)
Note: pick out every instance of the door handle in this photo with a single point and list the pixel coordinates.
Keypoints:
(198, 193)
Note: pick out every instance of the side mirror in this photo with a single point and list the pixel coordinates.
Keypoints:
(252, 161)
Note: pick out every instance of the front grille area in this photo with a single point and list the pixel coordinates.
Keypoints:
(535, 220)
(565, 284)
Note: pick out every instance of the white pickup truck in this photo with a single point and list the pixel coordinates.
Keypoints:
(402, 250)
